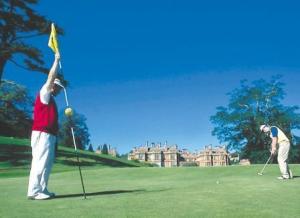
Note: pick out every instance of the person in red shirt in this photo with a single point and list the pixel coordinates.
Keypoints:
(43, 137)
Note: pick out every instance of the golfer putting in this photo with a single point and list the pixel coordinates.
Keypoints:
(280, 140)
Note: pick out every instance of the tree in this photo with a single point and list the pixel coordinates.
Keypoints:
(15, 110)
(91, 149)
(98, 148)
(249, 107)
(123, 156)
(104, 149)
(18, 22)
(81, 134)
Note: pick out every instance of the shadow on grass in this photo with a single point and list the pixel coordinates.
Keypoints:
(114, 192)
(99, 193)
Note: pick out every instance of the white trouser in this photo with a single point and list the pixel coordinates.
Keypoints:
(283, 154)
(43, 148)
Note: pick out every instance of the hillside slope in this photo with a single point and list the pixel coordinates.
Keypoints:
(16, 154)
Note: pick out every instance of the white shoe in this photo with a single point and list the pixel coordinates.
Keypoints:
(282, 177)
(41, 196)
(51, 194)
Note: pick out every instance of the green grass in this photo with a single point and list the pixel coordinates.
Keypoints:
(14, 141)
(116, 190)
(234, 191)
(15, 158)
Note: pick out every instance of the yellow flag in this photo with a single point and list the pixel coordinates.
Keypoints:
(53, 44)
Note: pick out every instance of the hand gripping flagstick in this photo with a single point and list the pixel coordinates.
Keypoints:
(52, 43)
(68, 111)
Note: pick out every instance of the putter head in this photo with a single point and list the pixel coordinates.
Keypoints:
(260, 174)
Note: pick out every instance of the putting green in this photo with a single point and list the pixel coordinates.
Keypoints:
(235, 191)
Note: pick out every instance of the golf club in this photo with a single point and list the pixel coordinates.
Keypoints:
(261, 172)
(74, 142)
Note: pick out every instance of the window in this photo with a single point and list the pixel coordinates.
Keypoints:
(173, 156)
(157, 156)
(141, 156)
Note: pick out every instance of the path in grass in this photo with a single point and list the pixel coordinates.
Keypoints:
(159, 192)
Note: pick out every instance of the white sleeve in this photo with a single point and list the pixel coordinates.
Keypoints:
(45, 95)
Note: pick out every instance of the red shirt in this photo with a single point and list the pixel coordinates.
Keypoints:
(45, 116)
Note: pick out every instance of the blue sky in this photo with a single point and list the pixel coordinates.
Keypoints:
(156, 70)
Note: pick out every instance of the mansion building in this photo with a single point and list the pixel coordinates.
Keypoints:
(171, 156)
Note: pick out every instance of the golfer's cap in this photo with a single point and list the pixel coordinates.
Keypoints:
(262, 127)
(58, 82)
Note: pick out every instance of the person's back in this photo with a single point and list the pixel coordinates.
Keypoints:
(277, 132)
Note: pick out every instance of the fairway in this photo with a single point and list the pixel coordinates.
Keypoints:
(235, 191)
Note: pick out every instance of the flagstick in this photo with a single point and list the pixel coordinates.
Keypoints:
(74, 141)
(66, 97)
(59, 64)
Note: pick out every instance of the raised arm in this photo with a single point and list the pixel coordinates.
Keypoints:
(52, 73)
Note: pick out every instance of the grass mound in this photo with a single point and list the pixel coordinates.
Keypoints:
(15, 155)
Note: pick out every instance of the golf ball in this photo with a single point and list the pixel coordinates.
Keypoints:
(68, 112)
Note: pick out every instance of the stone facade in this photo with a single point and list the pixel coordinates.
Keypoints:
(171, 156)
(213, 156)
(111, 151)
(187, 158)
(162, 156)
